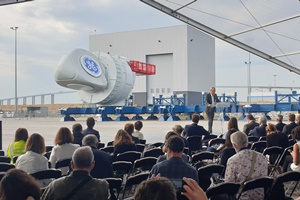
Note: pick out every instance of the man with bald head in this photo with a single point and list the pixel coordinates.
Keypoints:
(79, 184)
(210, 106)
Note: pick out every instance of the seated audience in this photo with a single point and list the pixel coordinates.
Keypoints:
(164, 148)
(103, 163)
(129, 128)
(194, 129)
(90, 122)
(295, 166)
(280, 124)
(174, 168)
(276, 138)
(33, 160)
(227, 150)
(63, 148)
(77, 134)
(260, 130)
(67, 187)
(156, 188)
(251, 124)
(18, 185)
(179, 130)
(287, 129)
(138, 125)
(298, 119)
(232, 124)
(123, 142)
(239, 166)
(17, 147)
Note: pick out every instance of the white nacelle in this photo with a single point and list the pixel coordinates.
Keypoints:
(105, 80)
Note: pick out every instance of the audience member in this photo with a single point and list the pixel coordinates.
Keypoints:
(295, 166)
(260, 131)
(251, 124)
(90, 123)
(280, 124)
(179, 130)
(18, 185)
(227, 150)
(245, 165)
(63, 148)
(123, 142)
(156, 188)
(298, 119)
(129, 128)
(17, 147)
(138, 125)
(79, 184)
(174, 168)
(192, 190)
(77, 134)
(194, 129)
(232, 124)
(103, 163)
(164, 148)
(33, 160)
(287, 129)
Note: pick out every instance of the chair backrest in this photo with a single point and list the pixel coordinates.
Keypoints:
(129, 156)
(63, 163)
(291, 176)
(121, 167)
(110, 143)
(114, 184)
(5, 159)
(157, 144)
(142, 141)
(205, 173)
(49, 148)
(155, 152)
(4, 167)
(207, 138)
(140, 147)
(216, 141)
(195, 143)
(283, 155)
(261, 182)
(204, 155)
(291, 142)
(134, 180)
(262, 138)
(15, 158)
(100, 145)
(108, 149)
(252, 139)
(186, 150)
(145, 163)
(47, 174)
(230, 189)
(274, 154)
(2, 153)
(259, 146)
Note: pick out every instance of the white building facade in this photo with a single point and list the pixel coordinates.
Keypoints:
(184, 59)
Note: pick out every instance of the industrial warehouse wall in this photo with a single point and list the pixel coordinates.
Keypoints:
(184, 58)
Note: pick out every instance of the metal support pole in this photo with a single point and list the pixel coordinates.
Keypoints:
(0, 135)
(16, 78)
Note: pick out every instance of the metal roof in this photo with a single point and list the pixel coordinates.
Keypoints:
(267, 28)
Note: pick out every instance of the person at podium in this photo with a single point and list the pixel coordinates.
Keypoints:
(210, 106)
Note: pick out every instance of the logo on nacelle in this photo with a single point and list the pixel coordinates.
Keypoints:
(90, 66)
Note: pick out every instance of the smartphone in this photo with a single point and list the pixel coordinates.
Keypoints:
(178, 184)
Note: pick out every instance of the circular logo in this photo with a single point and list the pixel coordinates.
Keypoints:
(90, 66)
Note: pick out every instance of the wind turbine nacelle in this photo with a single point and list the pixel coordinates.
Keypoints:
(105, 80)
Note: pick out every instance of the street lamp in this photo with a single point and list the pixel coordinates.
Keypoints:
(249, 79)
(15, 28)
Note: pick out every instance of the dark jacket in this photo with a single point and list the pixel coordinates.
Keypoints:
(194, 130)
(279, 126)
(91, 131)
(287, 129)
(78, 137)
(103, 164)
(248, 127)
(259, 131)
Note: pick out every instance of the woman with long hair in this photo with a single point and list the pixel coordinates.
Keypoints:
(123, 142)
(17, 147)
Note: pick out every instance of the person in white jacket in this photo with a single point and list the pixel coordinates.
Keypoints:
(63, 148)
(33, 160)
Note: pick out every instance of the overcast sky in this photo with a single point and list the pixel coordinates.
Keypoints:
(49, 29)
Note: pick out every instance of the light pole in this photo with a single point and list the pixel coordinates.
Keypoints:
(249, 79)
(15, 28)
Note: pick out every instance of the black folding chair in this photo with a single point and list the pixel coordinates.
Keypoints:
(144, 164)
(129, 156)
(259, 146)
(140, 147)
(110, 143)
(224, 189)
(274, 154)
(65, 163)
(2, 153)
(133, 181)
(262, 138)
(142, 141)
(252, 139)
(47, 174)
(108, 149)
(261, 182)
(100, 145)
(5, 159)
(157, 144)
(49, 148)
(121, 168)
(154, 152)
(201, 156)
(205, 174)
(216, 141)
(4, 167)
(114, 187)
(206, 139)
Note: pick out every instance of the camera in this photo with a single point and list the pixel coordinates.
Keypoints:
(178, 184)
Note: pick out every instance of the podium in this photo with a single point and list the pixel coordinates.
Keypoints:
(221, 106)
